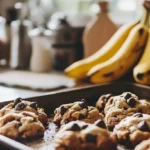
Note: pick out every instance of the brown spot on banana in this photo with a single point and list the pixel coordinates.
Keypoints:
(140, 76)
(139, 48)
(108, 74)
(141, 31)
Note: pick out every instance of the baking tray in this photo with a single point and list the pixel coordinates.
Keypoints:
(54, 99)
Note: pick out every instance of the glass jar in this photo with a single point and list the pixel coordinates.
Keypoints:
(41, 60)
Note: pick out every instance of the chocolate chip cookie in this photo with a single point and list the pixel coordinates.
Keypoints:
(127, 101)
(24, 125)
(76, 111)
(145, 145)
(118, 107)
(133, 130)
(78, 135)
(20, 105)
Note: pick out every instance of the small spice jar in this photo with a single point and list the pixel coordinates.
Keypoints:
(66, 43)
(41, 60)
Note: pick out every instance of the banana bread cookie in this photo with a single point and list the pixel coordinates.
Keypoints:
(78, 135)
(145, 145)
(20, 105)
(24, 125)
(133, 130)
(76, 111)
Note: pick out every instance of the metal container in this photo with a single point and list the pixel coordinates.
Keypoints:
(20, 44)
(20, 50)
(66, 43)
(4, 52)
(52, 100)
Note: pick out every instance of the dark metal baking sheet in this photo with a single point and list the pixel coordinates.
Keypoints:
(54, 99)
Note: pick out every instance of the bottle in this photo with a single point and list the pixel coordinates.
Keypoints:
(98, 31)
(20, 49)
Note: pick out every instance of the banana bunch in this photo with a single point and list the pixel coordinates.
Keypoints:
(141, 71)
(118, 56)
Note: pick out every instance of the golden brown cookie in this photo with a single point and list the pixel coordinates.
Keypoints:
(133, 130)
(24, 125)
(78, 135)
(116, 108)
(20, 105)
(76, 111)
(127, 101)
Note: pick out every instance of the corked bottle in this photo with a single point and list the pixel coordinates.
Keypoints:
(98, 31)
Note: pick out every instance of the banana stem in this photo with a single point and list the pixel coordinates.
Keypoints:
(145, 18)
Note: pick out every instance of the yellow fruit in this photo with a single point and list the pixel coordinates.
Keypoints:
(125, 59)
(141, 72)
(79, 69)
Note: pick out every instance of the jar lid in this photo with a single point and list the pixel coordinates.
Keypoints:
(59, 24)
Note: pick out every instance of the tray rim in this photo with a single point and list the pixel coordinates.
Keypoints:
(90, 87)
(84, 88)
(10, 143)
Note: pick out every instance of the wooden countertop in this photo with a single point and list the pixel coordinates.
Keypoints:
(10, 93)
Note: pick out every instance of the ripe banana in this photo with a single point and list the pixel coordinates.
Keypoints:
(80, 68)
(123, 60)
(141, 71)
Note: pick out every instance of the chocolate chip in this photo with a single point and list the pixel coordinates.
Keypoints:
(63, 109)
(100, 123)
(143, 126)
(107, 97)
(20, 106)
(91, 138)
(34, 105)
(101, 108)
(138, 115)
(108, 74)
(140, 76)
(83, 104)
(131, 102)
(127, 95)
(19, 124)
(84, 126)
(81, 116)
(74, 127)
(16, 101)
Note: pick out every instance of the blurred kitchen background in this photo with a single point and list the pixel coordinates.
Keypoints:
(40, 38)
(65, 21)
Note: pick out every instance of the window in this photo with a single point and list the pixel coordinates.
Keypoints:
(121, 11)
